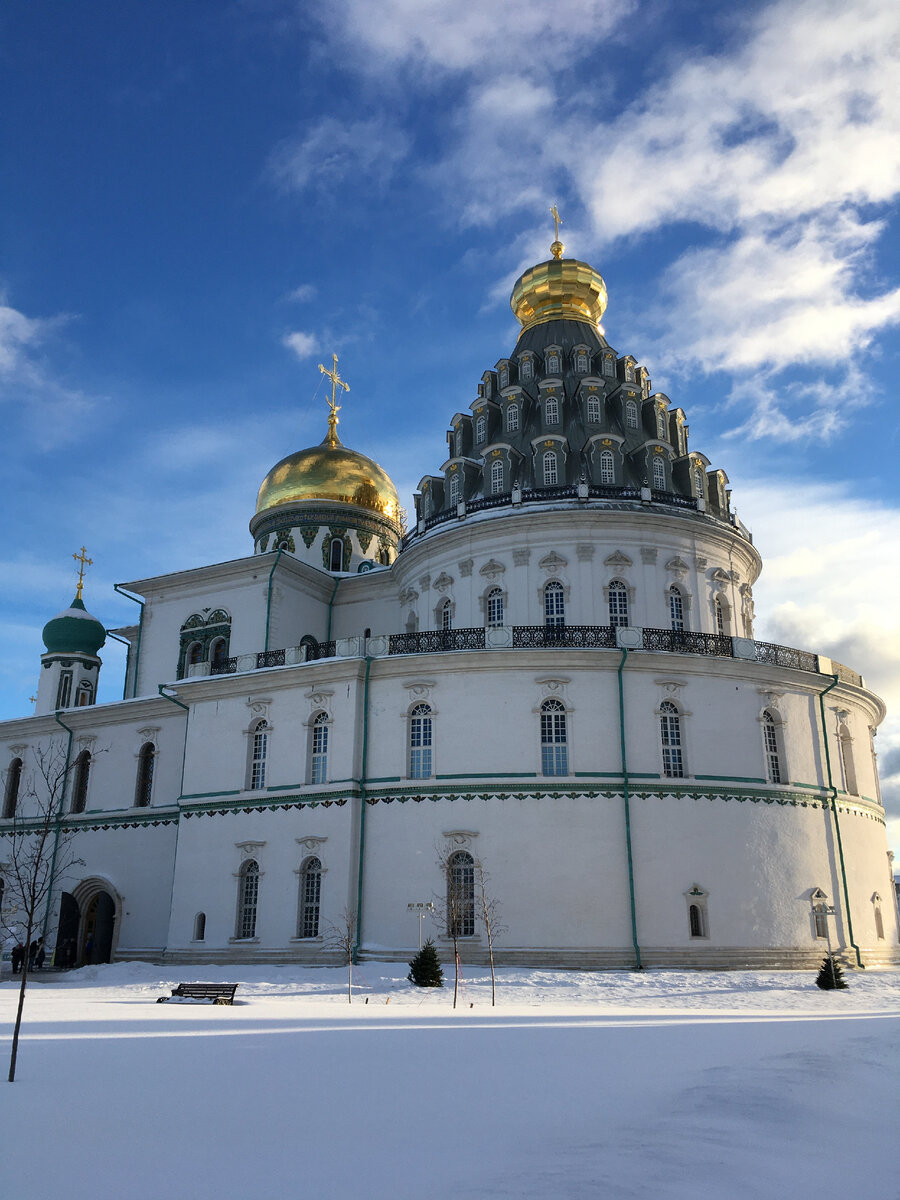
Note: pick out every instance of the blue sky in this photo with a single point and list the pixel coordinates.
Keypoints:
(201, 202)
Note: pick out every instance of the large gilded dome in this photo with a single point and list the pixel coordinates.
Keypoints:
(330, 471)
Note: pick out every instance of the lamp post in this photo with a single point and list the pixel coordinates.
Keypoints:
(421, 908)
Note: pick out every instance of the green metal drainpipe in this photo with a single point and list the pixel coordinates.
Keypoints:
(362, 812)
(62, 800)
(269, 597)
(137, 649)
(638, 965)
(330, 607)
(125, 642)
(835, 680)
(172, 700)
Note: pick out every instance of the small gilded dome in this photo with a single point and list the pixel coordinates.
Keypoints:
(558, 289)
(74, 631)
(330, 471)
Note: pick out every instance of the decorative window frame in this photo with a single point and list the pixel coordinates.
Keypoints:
(410, 715)
(14, 771)
(670, 693)
(249, 852)
(312, 725)
(446, 604)
(550, 584)
(140, 759)
(630, 595)
(310, 848)
(773, 704)
(697, 897)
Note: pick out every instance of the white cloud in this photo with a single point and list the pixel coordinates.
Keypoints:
(304, 345)
(330, 151)
(303, 293)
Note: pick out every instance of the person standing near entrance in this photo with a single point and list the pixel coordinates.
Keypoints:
(41, 954)
(17, 957)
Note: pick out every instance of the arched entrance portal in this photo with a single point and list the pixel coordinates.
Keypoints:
(97, 933)
(67, 931)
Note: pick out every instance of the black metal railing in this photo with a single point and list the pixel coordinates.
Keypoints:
(225, 666)
(429, 641)
(270, 658)
(587, 637)
(786, 656)
(687, 641)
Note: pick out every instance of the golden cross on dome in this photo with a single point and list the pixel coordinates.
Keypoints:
(333, 405)
(557, 248)
(33, 699)
(85, 562)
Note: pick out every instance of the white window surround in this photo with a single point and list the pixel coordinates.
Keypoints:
(697, 912)
(512, 417)
(671, 736)
(421, 741)
(607, 467)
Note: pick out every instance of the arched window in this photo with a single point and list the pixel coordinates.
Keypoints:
(551, 410)
(629, 373)
(720, 617)
(199, 927)
(310, 897)
(554, 604)
(504, 376)
(495, 607)
(85, 694)
(143, 787)
(248, 896)
(552, 364)
(659, 473)
(609, 365)
(879, 920)
(607, 467)
(593, 409)
(259, 740)
(698, 484)
(631, 414)
(64, 691)
(554, 748)
(11, 791)
(318, 749)
(618, 603)
(845, 741)
(676, 608)
(194, 654)
(496, 477)
(670, 734)
(697, 916)
(581, 361)
(457, 442)
(820, 919)
(454, 490)
(770, 744)
(336, 554)
(527, 368)
(661, 430)
(480, 429)
(447, 615)
(550, 473)
(461, 895)
(218, 652)
(80, 781)
(512, 418)
(420, 742)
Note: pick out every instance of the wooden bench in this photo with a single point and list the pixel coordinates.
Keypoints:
(219, 993)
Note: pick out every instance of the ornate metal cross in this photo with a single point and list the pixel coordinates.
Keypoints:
(85, 562)
(333, 405)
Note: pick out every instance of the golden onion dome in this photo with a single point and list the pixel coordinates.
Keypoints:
(561, 288)
(330, 471)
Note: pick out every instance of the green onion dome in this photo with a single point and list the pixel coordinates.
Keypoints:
(74, 631)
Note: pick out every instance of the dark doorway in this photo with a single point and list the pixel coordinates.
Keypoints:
(67, 931)
(97, 935)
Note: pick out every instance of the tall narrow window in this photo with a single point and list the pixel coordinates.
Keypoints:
(454, 490)
(199, 927)
(696, 914)
(85, 694)
(659, 473)
(593, 409)
(820, 919)
(11, 791)
(719, 613)
(248, 897)
(512, 418)
(879, 921)
(670, 734)
(194, 654)
(609, 365)
(461, 895)
(551, 410)
(457, 442)
(80, 781)
(64, 691)
(845, 741)
(631, 415)
(527, 368)
(496, 477)
(447, 615)
(259, 740)
(676, 608)
(581, 361)
(420, 742)
(552, 364)
(495, 607)
(661, 429)
(318, 758)
(698, 484)
(310, 897)
(770, 741)
(218, 652)
(143, 789)
(480, 429)
(554, 604)
(550, 473)
(607, 467)
(554, 747)
(337, 554)
(618, 603)
(504, 377)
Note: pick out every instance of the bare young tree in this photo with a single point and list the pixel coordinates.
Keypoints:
(37, 853)
(490, 912)
(340, 935)
(456, 908)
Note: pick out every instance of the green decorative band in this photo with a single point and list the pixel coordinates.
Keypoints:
(350, 518)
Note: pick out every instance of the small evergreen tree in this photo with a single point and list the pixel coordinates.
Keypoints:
(830, 974)
(425, 968)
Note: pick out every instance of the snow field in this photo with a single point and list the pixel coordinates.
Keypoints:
(666, 1084)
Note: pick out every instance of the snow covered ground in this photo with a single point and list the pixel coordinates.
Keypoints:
(666, 1085)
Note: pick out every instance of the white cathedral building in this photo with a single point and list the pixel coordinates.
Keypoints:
(552, 676)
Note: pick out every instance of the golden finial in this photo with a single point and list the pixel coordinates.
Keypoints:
(557, 248)
(85, 562)
(33, 699)
(334, 407)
